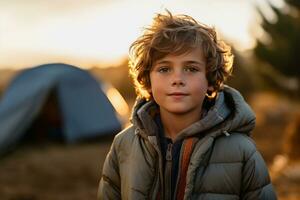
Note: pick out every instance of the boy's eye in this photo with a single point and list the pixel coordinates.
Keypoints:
(163, 69)
(191, 69)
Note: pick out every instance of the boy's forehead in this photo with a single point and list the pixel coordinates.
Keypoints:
(196, 53)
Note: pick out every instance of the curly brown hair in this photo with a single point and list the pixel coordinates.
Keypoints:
(178, 34)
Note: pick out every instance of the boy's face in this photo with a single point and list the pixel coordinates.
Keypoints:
(178, 82)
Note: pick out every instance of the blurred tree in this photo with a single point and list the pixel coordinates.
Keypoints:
(280, 53)
(243, 77)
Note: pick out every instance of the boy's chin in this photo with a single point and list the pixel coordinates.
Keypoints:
(180, 111)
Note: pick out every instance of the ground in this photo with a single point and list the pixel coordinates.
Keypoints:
(53, 172)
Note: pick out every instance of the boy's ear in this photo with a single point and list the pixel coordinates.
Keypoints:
(210, 93)
(149, 95)
(210, 88)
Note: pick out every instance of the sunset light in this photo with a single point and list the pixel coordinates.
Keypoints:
(118, 102)
(94, 32)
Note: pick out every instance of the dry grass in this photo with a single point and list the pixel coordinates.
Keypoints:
(53, 172)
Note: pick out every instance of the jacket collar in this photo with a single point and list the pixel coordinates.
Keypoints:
(230, 113)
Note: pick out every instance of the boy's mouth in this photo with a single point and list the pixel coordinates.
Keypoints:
(178, 94)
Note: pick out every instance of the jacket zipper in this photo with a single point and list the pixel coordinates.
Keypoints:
(179, 167)
(168, 172)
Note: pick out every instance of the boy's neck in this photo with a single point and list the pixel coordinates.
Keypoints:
(174, 123)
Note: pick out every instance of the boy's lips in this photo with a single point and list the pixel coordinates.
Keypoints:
(178, 94)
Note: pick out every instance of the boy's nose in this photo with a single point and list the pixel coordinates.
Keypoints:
(178, 79)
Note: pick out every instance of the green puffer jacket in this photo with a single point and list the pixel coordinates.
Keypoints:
(224, 164)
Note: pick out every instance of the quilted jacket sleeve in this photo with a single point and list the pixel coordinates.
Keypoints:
(109, 187)
(256, 181)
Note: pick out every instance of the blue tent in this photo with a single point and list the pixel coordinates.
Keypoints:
(85, 110)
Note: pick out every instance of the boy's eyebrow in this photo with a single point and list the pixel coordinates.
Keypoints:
(185, 62)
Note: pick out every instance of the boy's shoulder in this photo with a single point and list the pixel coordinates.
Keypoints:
(236, 145)
(124, 137)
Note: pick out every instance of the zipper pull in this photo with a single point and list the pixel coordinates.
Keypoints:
(169, 152)
(226, 133)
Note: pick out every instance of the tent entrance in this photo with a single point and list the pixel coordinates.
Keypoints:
(47, 126)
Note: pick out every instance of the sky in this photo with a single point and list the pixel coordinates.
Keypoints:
(99, 32)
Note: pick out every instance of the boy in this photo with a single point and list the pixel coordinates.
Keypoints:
(189, 137)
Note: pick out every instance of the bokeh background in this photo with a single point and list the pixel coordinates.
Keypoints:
(95, 35)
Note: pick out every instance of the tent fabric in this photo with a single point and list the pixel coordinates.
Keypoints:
(85, 109)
